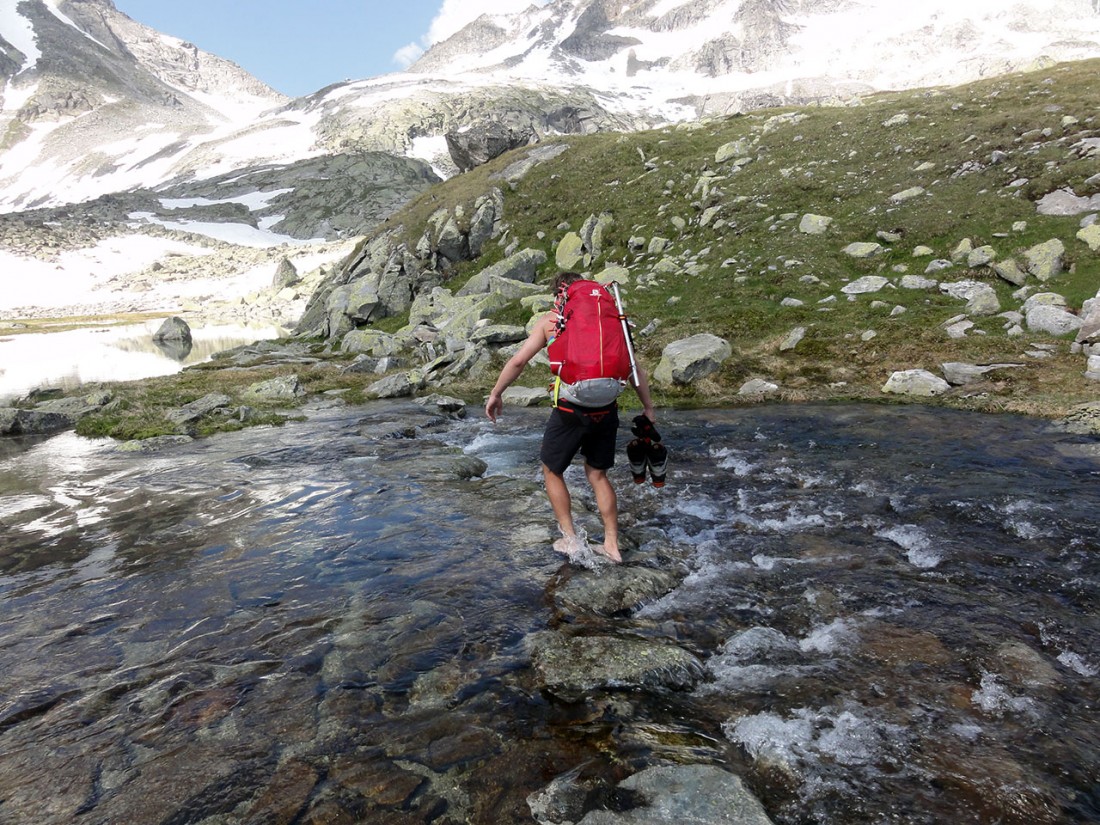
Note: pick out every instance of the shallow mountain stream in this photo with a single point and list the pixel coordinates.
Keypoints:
(896, 609)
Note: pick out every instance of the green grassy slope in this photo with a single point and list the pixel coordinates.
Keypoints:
(983, 154)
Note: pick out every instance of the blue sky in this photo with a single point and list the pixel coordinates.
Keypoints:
(300, 46)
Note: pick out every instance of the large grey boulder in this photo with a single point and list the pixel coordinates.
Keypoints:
(454, 316)
(1089, 333)
(522, 267)
(734, 149)
(1053, 320)
(372, 342)
(981, 298)
(685, 795)
(486, 221)
(286, 274)
(866, 284)
(690, 359)
(863, 250)
(593, 232)
(1084, 419)
(920, 383)
(572, 667)
(193, 411)
(570, 254)
(276, 390)
(1066, 202)
(814, 224)
(75, 407)
(1010, 271)
(1046, 260)
(32, 422)
(958, 373)
(498, 334)
(1091, 236)
(524, 396)
(174, 329)
(399, 385)
(472, 146)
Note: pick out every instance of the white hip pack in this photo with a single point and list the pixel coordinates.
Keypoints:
(591, 392)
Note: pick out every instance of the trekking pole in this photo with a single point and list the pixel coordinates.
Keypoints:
(626, 333)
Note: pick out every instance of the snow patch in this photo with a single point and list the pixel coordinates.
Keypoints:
(52, 6)
(19, 32)
(234, 233)
(253, 200)
(78, 276)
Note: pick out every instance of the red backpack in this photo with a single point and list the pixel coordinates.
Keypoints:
(589, 354)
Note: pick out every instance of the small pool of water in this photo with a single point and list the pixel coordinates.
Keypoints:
(70, 359)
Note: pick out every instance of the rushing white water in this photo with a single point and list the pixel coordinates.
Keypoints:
(882, 639)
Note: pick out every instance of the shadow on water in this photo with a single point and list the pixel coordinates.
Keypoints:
(896, 609)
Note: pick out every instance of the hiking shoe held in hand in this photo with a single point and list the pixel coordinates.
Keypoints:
(636, 457)
(656, 458)
(643, 428)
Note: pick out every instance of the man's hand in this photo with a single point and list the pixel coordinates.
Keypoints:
(494, 406)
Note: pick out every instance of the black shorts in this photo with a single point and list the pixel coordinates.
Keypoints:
(591, 431)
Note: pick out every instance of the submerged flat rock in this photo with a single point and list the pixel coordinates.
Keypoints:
(573, 667)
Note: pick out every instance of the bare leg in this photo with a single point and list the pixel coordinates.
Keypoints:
(608, 504)
(560, 503)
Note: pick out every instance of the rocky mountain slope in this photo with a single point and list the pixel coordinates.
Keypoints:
(95, 102)
(936, 244)
(115, 134)
(698, 57)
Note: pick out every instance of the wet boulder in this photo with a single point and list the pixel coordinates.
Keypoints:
(571, 668)
(617, 590)
(680, 794)
(32, 422)
(1084, 419)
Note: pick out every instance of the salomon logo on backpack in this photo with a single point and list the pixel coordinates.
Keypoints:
(589, 354)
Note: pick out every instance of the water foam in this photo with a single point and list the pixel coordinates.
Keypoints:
(1077, 663)
(829, 638)
(810, 742)
(579, 551)
(916, 543)
(995, 699)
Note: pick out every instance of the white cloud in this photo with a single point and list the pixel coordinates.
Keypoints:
(407, 55)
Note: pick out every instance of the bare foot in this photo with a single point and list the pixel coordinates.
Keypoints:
(611, 552)
(566, 545)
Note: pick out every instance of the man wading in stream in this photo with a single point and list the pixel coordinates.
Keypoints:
(585, 326)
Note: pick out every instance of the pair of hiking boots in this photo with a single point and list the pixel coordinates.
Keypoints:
(646, 453)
